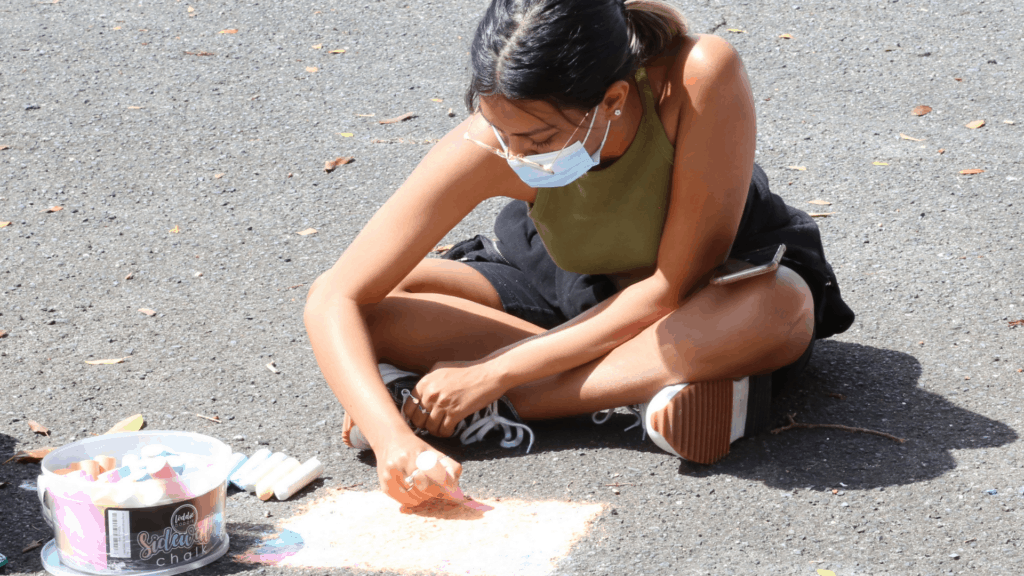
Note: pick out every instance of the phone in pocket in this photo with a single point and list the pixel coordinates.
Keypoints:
(749, 265)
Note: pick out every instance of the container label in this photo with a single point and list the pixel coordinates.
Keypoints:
(166, 535)
(119, 533)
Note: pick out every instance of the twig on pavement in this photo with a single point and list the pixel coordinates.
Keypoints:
(794, 424)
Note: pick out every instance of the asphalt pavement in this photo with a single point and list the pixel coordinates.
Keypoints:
(186, 160)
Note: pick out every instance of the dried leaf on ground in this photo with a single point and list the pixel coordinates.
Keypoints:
(312, 69)
(4, 147)
(820, 214)
(38, 428)
(800, 168)
(942, 150)
(129, 424)
(35, 543)
(218, 176)
(229, 31)
(272, 366)
(29, 456)
(52, 209)
(307, 232)
(3, 333)
(736, 30)
(175, 230)
(786, 36)
(129, 276)
(317, 46)
(820, 202)
(921, 110)
(1017, 322)
(905, 137)
(5, 224)
(105, 361)
(974, 125)
(148, 311)
(397, 119)
(338, 51)
(969, 171)
(330, 165)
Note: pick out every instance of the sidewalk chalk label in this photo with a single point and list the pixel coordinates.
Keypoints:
(167, 535)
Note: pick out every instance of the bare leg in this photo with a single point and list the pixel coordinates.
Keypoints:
(750, 327)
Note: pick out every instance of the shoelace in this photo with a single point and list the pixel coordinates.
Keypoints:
(602, 416)
(482, 422)
(488, 419)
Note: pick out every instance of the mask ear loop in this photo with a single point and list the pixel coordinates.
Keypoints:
(603, 140)
(583, 143)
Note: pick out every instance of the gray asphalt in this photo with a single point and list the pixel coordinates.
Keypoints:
(127, 131)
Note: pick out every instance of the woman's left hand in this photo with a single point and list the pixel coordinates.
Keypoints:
(449, 393)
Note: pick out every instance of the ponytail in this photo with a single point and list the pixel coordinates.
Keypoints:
(651, 25)
(566, 52)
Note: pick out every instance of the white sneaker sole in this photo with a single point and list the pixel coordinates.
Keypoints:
(698, 422)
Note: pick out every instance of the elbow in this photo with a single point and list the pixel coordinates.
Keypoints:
(318, 299)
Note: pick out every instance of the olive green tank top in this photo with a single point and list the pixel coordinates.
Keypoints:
(611, 220)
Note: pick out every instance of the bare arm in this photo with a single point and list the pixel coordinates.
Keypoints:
(447, 184)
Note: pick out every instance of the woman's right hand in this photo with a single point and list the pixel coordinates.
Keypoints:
(397, 462)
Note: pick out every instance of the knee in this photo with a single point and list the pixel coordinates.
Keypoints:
(793, 306)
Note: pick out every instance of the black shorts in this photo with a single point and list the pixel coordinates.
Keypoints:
(533, 288)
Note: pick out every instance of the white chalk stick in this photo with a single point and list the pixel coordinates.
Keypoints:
(265, 487)
(250, 479)
(255, 460)
(298, 479)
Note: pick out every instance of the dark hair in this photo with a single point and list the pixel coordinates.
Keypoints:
(567, 52)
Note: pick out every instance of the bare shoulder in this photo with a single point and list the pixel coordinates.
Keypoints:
(686, 73)
(705, 63)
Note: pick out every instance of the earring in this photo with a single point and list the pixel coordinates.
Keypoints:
(618, 112)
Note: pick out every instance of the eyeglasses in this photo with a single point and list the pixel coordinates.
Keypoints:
(521, 159)
(506, 155)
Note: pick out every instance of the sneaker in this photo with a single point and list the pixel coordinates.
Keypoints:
(499, 414)
(698, 422)
(602, 416)
(477, 426)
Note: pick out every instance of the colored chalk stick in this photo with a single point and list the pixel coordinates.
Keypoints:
(265, 487)
(262, 470)
(248, 466)
(298, 479)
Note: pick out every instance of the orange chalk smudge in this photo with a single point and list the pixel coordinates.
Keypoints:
(367, 529)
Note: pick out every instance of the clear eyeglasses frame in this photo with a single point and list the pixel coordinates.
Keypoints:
(506, 155)
(521, 159)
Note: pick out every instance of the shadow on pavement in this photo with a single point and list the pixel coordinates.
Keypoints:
(844, 383)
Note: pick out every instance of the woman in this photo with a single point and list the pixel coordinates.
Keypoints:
(628, 148)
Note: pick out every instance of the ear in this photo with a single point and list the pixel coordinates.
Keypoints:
(615, 97)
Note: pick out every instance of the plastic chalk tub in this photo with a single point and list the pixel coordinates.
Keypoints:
(159, 510)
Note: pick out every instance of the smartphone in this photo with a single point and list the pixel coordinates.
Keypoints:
(749, 265)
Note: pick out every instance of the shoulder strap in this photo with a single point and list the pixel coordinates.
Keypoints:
(645, 85)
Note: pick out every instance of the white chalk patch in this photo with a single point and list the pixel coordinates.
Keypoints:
(367, 530)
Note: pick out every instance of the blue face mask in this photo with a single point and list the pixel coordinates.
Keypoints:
(562, 167)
